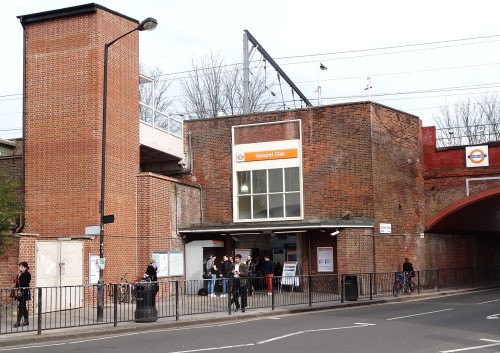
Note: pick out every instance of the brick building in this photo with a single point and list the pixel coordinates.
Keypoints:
(61, 164)
(337, 189)
(353, 168)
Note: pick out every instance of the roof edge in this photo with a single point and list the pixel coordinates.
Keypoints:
(357, 222)
(68, 12)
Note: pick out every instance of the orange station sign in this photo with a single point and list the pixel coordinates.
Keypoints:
(268, 155)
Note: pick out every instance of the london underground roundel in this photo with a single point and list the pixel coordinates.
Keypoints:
(476, 156)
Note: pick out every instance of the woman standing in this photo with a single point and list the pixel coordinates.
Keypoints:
(23, 282)
(151, 274)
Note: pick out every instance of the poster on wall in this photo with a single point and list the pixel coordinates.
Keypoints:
(169, 263)
(176, 263)
(244, 253)
(162, 263)
(93, 269)
(325, 259)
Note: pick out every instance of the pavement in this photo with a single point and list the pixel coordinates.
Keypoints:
(31, 337)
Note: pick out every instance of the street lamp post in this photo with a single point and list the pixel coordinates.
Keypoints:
(148, 24)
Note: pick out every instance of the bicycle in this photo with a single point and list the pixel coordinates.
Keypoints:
(403, 284)
(126, 291)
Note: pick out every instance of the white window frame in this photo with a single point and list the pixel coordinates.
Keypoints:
(268, 164)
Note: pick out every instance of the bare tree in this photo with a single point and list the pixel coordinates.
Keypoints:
(162, 102)
(203, 97)
(469, 122)
(213, 88)
(260, 98)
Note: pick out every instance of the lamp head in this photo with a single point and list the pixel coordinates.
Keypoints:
(322, 67)
(148, 24)
(337, 232)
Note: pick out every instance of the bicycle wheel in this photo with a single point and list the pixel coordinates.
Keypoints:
(396, 288)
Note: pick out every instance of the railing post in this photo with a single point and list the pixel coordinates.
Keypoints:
(309, 286)
(177, 300)
(342, 281)
(115, 305)
(272, 292)
(418, 282)
(371, 284)
(39, 310)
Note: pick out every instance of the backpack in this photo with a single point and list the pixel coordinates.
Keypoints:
(202, 291)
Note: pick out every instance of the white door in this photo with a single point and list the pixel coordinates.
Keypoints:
(59, 270)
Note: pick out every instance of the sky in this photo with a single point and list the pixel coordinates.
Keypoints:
(389, 41)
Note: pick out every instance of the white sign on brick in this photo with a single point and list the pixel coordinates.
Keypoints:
(385, 228)
(476, 156)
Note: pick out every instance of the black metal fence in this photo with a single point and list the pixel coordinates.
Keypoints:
(72, 306)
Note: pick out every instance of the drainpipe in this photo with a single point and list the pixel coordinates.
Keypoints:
(23, 155)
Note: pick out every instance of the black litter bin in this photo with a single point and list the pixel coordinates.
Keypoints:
(351, 287)
(145, 305)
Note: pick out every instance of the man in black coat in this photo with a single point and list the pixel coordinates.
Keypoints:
(225, 274)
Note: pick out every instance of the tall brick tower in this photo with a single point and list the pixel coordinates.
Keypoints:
(63, 104)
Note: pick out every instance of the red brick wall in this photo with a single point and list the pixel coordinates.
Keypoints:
(445, 173)
(363, 158)
(64, 69)
(9, 261)
(63, 130)
(162, 202)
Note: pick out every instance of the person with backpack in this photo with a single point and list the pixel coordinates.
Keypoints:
(211, 267)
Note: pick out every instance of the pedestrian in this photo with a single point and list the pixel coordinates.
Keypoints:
(23, 283)
(239, 272)
(214, 270)
(407, 265)
(408, 270)
(152, 271)
(224, 274)
(251, 275)
(151, 275)
(268, 271)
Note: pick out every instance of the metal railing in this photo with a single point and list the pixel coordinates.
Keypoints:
(73, 306)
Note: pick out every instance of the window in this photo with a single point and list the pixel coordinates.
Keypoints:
(268, 194)
(6, 151)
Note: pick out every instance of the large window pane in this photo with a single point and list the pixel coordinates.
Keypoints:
(259, 181)
(244, 186)
(275, 180)
(268, 194)
(146, 114)
(292, 180)
(292, 204)
(244, 207)
(161, 121)
(276, 209)
(260, 206)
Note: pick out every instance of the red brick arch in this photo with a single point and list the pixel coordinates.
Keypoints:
(478, 213)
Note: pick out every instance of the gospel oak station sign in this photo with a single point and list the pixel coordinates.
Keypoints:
(266, 155)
